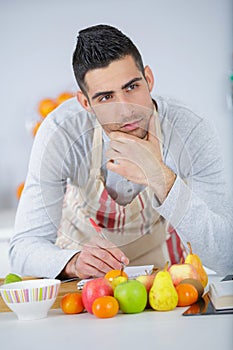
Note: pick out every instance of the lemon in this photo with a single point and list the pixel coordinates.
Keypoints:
(11, 277)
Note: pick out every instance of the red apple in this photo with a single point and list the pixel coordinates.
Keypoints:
(179, 272)
(146, 280)
(93, 289)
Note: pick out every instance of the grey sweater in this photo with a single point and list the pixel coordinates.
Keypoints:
(197, 205)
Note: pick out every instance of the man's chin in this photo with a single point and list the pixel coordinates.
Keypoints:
(140, 133)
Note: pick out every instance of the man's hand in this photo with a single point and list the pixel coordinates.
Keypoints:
(97, 257)
(140, 161)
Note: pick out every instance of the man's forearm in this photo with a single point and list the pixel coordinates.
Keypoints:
(41, 258)
(209, 232)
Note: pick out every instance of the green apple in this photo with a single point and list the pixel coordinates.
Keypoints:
(131, 296)
(11, 277)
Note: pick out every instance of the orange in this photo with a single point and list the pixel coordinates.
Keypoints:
(71, 303)
(105, 307)
(63, 97)
(110, 275)
(35, 128)
(187, 294)
(19, 190)
(46, 106)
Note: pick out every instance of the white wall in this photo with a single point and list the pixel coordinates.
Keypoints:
(188, 44)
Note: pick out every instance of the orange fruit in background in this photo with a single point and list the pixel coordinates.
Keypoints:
(110, 275)
(63, 97)
(19, 190)
(71, 303)
(35, 128)
(187, 294)
(105, 307)
(46, 106)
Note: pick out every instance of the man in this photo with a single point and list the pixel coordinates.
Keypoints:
(139, 167)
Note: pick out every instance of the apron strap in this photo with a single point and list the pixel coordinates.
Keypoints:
(158, 132)
(96, 157)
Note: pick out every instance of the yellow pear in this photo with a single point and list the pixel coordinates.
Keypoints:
(195, 260)
(163, 295)
(118, 280)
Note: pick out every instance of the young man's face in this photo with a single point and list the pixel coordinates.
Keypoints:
(119, 95)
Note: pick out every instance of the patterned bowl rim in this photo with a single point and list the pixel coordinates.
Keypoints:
(29, 291)
(30, 284)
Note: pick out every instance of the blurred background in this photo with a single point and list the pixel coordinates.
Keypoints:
(188, 45)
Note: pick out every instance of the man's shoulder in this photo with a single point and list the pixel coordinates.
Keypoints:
(180, 122)
(171, 108)
(176, 114)
(68, 122)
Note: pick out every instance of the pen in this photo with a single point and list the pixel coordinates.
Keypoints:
(100, 232)
(97, 228)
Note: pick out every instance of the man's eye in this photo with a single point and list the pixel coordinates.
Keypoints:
(132, 87)
(105, 98)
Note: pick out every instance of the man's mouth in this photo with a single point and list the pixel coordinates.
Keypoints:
(131, 126)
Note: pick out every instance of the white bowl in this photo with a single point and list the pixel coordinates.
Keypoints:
(31, 299)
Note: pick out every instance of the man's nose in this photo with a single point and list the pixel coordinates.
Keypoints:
(123, 106)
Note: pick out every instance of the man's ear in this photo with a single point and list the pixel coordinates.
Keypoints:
(83, 100)
(149, 77)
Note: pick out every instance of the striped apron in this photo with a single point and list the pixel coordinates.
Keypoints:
(136, 228)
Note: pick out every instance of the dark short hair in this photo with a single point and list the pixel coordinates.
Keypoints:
(97, 47)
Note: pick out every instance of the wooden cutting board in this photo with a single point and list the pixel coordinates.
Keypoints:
(67, 287)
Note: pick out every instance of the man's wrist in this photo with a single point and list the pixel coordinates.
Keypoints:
(163, 187)
(69, 269)
(170, 180)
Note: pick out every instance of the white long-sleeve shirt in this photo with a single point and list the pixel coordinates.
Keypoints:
(197, 205)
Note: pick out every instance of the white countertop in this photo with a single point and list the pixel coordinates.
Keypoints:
(149, 329)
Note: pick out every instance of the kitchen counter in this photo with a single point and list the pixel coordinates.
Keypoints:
(149, 329)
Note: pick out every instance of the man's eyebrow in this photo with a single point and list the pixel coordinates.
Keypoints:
(102, 93)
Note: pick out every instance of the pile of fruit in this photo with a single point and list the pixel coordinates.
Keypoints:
(162, 290)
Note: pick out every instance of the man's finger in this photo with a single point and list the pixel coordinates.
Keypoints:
(117, 146)
(106, 260)
(93, 258)
(122, 137)
(86, 264)
(111, 154)
(110, 247)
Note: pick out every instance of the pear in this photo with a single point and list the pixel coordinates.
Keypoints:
(163, 295)
(195, 260)
(118, 280)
